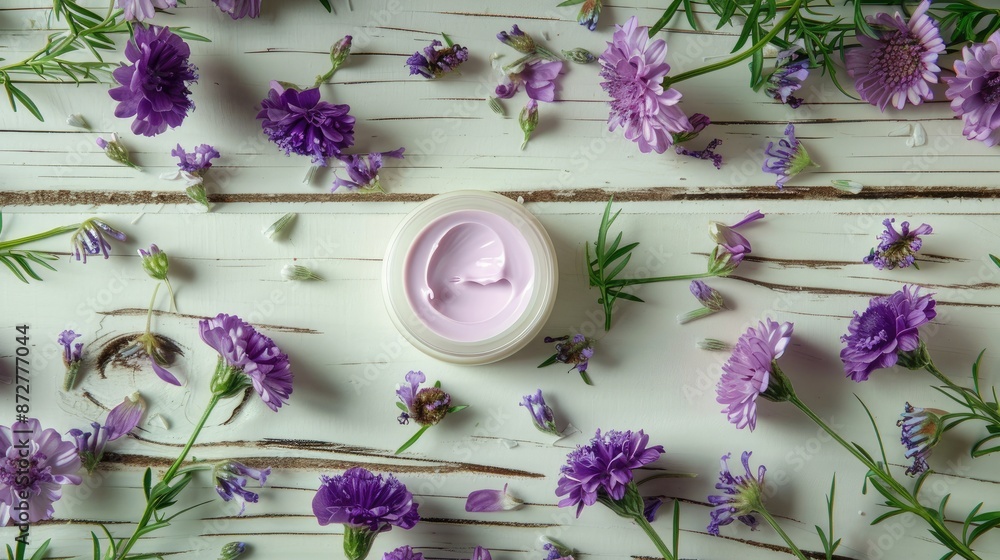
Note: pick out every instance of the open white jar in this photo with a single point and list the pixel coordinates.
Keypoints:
(469, 277)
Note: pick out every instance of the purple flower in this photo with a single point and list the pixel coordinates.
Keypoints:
(37, 463)
(899, 62)
(196, 162)
(231, 481)
(154, 88)
(650, 507)
(482, 501)
(921, 430)
(751, 371)
(897, 248)
(732, 246)
(707, 153)
(363, 171)
(141, 10)
(556, 551)
(741, 496)
(577, 353)
(481, 553)
(634, 68)
(518, 40)
(791, 70)
(437, 60)
(160, 355)
(299, 122)
(889, 326)
(603, 468)
(787, 160)
(541, 413)
(239, 9)
(403, 553)
(538, 77)
(426, 406)
(245, 351)
(89, 239)
(590, 12)
(975, 90)
(121, 420)
(366, 504)
(707, 295)
(72, 357)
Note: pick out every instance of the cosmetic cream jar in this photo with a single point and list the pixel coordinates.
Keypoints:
(470, 277)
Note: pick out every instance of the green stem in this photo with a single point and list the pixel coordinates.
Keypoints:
(170, 290)
(149, 314)
(945, 536)
(653, 536)
(635, 281)
(167, 477)
(993, 413)
(38, 236)
(793, 10)
(777, 528)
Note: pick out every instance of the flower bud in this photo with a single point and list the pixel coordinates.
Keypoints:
(116, 151)
(590, 11)
(197, 193)
(517, 40)
(339, 52)
(579, 56)
(273, 231)
(707, 296)
(232, 551)
(848, 186)
(298, 272)
(77, 120)
(154, 262)
(528, 120)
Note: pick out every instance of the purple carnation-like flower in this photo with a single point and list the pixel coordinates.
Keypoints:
(121, 420)
(437, 60)
(239, 9)
(921, 430)
(975, 90)
(604, 467)
(403, 553)
(360, 499)
(897, 248)
(634, 67)
(196, 162)
(231, 481)
(154, 88)
(363, 171)
(538, 77)
(37, 462)
(741, 496)
(141, 10)
(899, 62)
(299, 122)
(256, 356)
(788, 159)
(889, 326)
(751, 370)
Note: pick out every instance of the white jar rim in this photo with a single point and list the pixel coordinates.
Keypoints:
(521, 331)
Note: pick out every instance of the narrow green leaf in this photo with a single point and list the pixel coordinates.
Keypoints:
(629, 297)
(570, 3)
(27, 102)
(878, 435)
(402, 406)
(677, 527)
(457, 408)
(13, 269)
(147, 481)
(326, 4)
(97, 546)
(668, 14)
(552, 359)
(413, 439)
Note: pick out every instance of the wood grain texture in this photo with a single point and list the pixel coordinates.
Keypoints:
(348, 358)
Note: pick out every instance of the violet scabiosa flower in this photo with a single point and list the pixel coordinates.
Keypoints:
(975, 90)
(363, 171)
(246, 357)
(732, 247)
(154, 87)
(538, 77)
(89, 239)
(299, 122)
(366, 504)
(921, 430)
(72, 357)
(899, 62)
(437, 60)
(541, 413)
(426, 406)
(576, 351)
(602, 471)
(710, 299)
(231, 481)
(742, 495)
(752, 371)
(788, 159)
(491, 500)
(403, 553)
(708, 153)
(239, 9)
(897, 248)
(634, 67)
(141, 10)
(121, 420)
(889, 327)
(37, 463)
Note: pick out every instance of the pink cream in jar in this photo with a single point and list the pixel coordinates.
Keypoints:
(470, 277)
